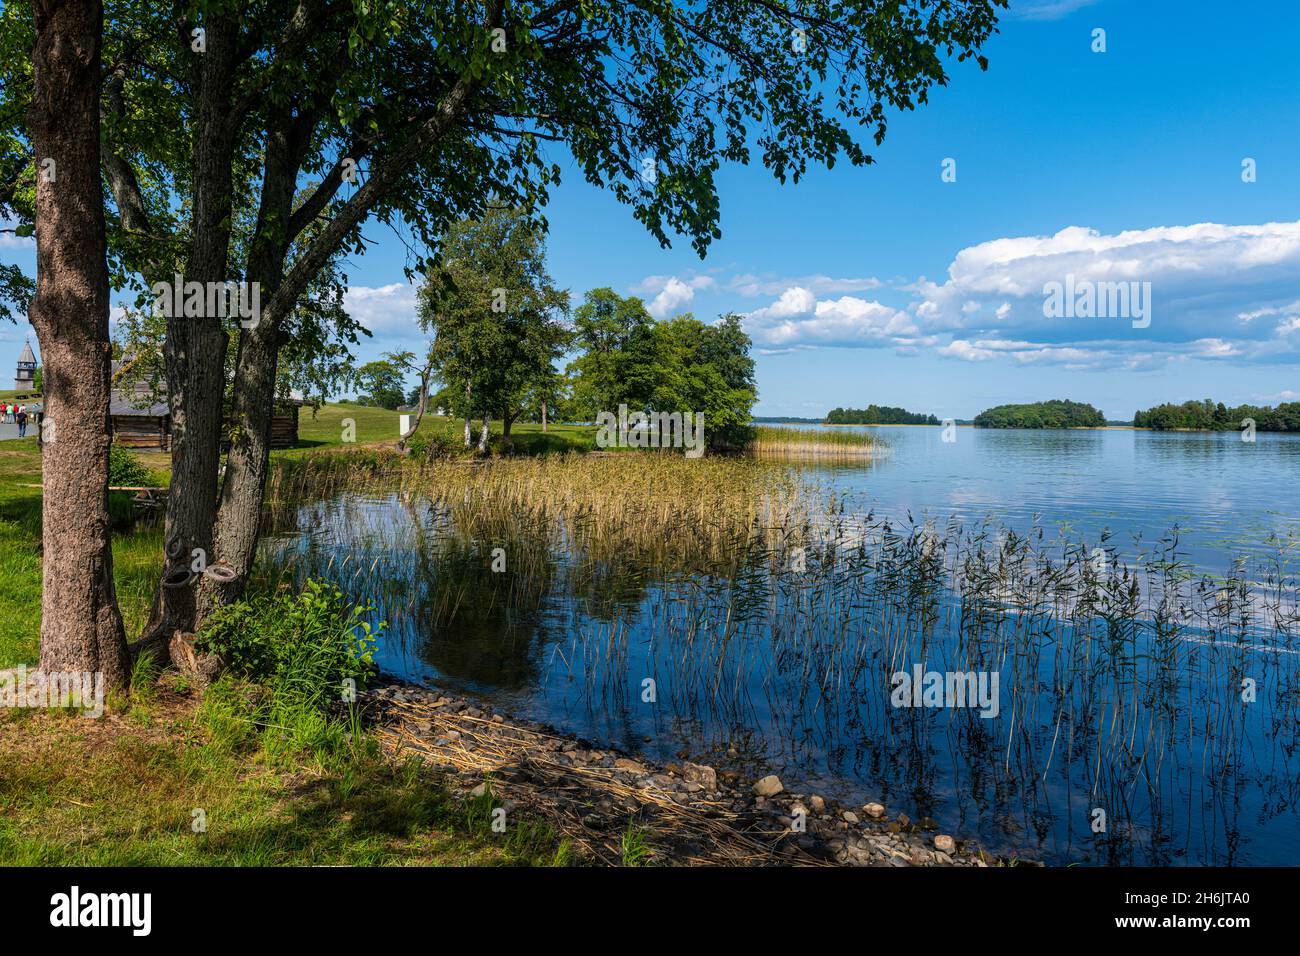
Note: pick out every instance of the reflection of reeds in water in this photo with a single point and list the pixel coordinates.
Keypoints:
(756, 602)
(816, 444)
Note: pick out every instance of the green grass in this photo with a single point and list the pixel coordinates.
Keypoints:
(127, 790)
(136, 554)
(122, 790)
(379, 425)
(325, 427)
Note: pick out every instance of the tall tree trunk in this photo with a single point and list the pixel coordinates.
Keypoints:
(81, 626)
(195, 348)
(483, 435)
(543, 416)
(244, 488)
(253, 401)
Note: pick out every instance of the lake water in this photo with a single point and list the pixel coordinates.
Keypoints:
(1156, 725)
(1224, 495)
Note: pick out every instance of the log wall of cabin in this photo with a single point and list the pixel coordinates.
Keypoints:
(140, 431)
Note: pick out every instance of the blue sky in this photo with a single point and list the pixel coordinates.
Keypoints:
(886, 284)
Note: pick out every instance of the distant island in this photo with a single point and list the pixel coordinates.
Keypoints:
(1209, 415)
(878, 415)
(1057, 413)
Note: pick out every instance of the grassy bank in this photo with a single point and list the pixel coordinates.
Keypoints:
(327, 425)
(172, 777)
(301, 789)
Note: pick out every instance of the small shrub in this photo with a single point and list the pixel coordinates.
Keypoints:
(302, 646)
(434, 446)
(126, 469)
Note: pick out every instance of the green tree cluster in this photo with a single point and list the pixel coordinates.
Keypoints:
(1208, 415)
(497, 318)
(681, 364)
(1057, 413)
(878, 415)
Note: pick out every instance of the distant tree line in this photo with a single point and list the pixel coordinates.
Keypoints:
(1057, 413)
(878, 415)
(1209, 415)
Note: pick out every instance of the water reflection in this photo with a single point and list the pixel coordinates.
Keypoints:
(1121, 680)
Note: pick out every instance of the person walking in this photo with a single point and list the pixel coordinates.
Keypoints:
(21, 419)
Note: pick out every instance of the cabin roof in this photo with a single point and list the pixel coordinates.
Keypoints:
(120, 405)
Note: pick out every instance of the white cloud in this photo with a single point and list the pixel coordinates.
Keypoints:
(1216, 291)
(798, 319)
(9, 241)
(966, 351)
(755, 286)
(671, 292)
(389, 311)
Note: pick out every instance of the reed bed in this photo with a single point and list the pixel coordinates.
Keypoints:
(817, 444)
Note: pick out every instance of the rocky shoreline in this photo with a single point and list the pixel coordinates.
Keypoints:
(687, 813)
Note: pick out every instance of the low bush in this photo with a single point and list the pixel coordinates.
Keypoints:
(126, 469)
(434, 446)
(302, 645)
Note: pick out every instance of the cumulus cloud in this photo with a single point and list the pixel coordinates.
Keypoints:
(1216, 291)
(388, 311)
(670, 292)
(967, 351)
(799, 319)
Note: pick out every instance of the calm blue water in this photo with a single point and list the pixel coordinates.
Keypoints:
(1224, 495)
(1140, 715)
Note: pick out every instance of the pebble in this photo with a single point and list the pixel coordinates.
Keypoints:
(945, 843)
(769, 786)
(874, 810)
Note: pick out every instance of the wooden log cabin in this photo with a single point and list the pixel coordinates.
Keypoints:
(141, 419)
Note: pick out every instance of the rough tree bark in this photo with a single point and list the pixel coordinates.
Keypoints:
(81, 626)
(195, 348)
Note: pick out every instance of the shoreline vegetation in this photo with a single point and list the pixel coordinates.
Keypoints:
(805, 443)
(268, 723)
